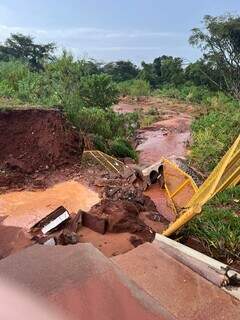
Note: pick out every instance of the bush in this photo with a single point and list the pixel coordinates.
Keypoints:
(124, 88)
(106, 127)
(186, 92)
(121, 148)
(98, 90)
(11, 73)
(140, 88)
(135, 88)
(218, 226)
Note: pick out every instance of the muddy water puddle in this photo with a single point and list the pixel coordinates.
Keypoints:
(164, 139)
(24, 208)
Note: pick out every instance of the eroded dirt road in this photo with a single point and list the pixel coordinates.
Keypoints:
(164, 138)
(21, 209)
(168, 137)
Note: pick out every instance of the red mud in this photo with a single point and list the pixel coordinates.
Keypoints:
(160, 198)
(12, 239)
(34, 140)
(110, 244)
(25, 208)
(164, 139)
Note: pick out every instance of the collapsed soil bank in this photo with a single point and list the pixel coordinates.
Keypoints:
(37, 139)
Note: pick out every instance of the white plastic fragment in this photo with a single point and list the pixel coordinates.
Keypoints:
(53, 224)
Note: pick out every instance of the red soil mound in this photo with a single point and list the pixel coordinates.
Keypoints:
(37, 139)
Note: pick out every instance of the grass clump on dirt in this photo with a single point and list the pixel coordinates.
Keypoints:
(218, 226)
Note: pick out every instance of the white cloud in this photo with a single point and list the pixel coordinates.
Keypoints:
(102, 43)
(73, 34)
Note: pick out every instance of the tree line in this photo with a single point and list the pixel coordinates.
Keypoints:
(218, 68)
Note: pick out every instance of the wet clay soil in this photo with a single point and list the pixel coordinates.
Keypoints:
(25, 208)
(165, 138)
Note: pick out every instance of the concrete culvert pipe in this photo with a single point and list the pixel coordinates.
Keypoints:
(153, 176)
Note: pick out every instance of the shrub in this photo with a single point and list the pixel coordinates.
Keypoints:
(134, 88)
(218, 226)
(124, 88)
(140, 88)
(104, 127)
(11, 73)
(186, 92)
(122, 148)
(98, 90)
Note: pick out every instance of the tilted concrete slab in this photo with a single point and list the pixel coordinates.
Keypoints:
(182, 292)
(82, 282)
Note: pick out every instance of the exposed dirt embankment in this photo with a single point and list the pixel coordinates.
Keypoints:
(34, 140)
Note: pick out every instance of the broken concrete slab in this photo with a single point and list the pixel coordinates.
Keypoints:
(183, 292)
(82, 283)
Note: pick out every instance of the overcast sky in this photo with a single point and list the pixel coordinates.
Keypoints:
(110, 30)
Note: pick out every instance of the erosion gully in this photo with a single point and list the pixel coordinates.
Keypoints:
(21, 209)
(167, 138)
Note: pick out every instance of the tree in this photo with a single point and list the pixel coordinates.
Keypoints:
(203, 73)
(121, 70)
(148, 73)
(163, 70)
(98, 90)
(19, 46)
(220, 43)
(169, 70)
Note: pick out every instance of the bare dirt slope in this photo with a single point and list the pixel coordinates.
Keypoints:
(35, 140)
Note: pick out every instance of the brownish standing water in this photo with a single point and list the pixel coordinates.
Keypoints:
(25, 208)
(165, 138)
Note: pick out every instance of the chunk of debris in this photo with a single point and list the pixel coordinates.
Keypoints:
(52, 221)
(136, 241)
(50, 242)
(67, 237)
(94, 222)
(74, 222)
(123, 216)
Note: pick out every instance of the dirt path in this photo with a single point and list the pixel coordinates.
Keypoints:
(164, 138)
(169, 136)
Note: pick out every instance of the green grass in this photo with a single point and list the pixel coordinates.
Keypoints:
(213, 134)
(218, 226)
